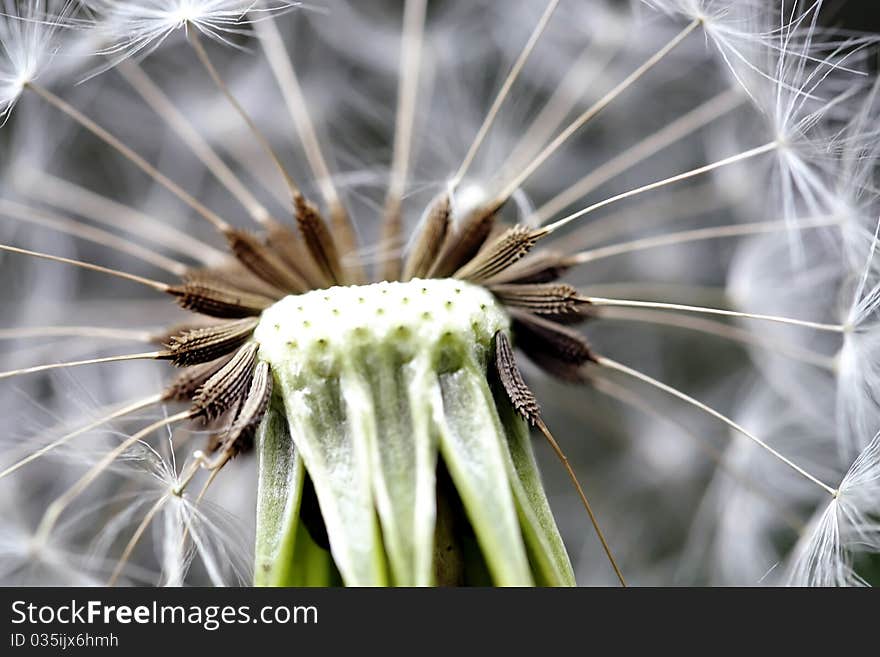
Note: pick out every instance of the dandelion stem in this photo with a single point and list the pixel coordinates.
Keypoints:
(676, 205)
(201, 460)
(136, 537)
(177, 491)
(98, 332)
(866, 272)
(150, 355)
(593, 58)
(580, 491)
(156, 285)
(410, 64)
(215, 470)
(504, 91)
(121, 412)
(627, 303)
(162, 105)
(707, 295)
(288, 83)
(202, 54)
(129, 154)
(740, 157)
(719, 329)
(594, 111)
(683, 237)
(70, 197)
(20, 212)
(682, 127)
(623, 369)
(54, 510)
(628, 397)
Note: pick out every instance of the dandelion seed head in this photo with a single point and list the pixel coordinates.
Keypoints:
(139, 27)
(29, 38)
(858, 411)
(843, 528)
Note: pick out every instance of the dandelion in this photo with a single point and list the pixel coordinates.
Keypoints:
(383, 354)
(138, 28)
(845, 527)
(30, 40)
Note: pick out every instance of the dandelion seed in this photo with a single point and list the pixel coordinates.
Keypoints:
(29, 34)
(139, 27)
(843, 528)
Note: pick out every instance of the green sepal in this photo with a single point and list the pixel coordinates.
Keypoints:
(474, 448)
(547, 553)
(279, 494)
(327, 417)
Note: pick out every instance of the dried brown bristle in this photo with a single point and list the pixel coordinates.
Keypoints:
(200, 345)
(194, 321)
(509, 247)
(266, 265)
(233, 274)
(186, 384)
(518, 392)
(541, 267)
(555, 348)
(462, 242)
(239, 436)
(224, 389)
(558, 302)
(319, 241)
(498, 229)
(288, 245)
(345, 241)
(203, 293)
(392, 227)
(429, 239)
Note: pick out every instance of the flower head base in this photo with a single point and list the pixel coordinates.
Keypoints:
(318, 329)
(374, 381)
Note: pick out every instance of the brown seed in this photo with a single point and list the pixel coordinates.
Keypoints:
(345, 238)
(222, 391)
(239, 436)
(319, 241)
(509, 247)
(392, 226)
(187, 383)
(555, 348)
(287, 244)
(194, 322)
(203, 293)
(266, 265)
(429, 239)
(541, 267)
(199, 345)
(558, 302)
(233, 274)
(462, 242)
(518, 392)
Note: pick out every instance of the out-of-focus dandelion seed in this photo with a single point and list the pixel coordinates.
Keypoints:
(846, 526)
(139, 27)
(29, 33)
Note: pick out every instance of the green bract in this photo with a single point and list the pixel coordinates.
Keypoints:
(373, 384)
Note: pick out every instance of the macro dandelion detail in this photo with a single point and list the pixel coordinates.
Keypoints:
(448, 293)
